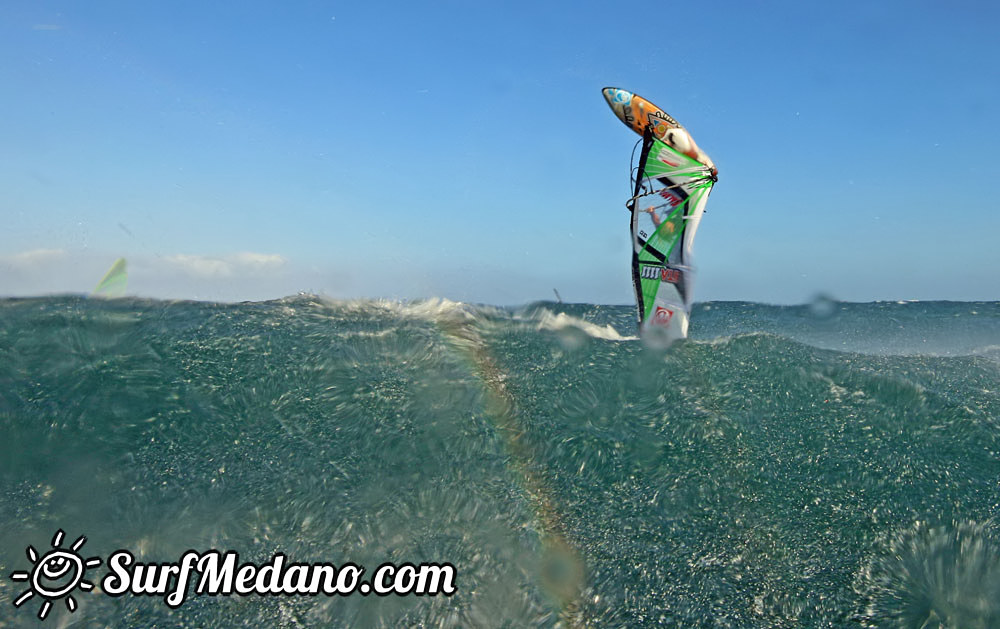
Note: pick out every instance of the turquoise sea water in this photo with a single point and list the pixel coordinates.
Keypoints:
(833, 465)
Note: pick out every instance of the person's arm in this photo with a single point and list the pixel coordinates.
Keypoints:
(654, 216)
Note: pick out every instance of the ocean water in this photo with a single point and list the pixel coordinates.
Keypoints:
(829, 465)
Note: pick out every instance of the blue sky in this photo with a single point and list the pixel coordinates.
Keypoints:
(250, 150)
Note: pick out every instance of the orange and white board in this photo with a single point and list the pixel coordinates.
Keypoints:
(638, 113)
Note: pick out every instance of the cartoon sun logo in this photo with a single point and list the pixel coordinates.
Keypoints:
(55, 574)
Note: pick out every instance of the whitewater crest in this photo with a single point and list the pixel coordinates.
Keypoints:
(560, 321)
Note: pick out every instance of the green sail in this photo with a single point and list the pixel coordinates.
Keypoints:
(114, 281)
(671, 190)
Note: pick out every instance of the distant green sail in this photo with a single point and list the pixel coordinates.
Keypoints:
(113, 282)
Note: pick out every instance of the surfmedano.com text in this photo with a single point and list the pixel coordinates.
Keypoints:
(221, 574)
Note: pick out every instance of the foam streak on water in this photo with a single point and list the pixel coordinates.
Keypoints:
(783, 467)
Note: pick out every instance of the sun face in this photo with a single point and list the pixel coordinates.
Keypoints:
(55, 574)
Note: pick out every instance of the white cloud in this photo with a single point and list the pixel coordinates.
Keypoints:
(33, 259)
(262, 261)
(238, 264)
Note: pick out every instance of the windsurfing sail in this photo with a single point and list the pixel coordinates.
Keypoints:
(670, 189)
(114, 281)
